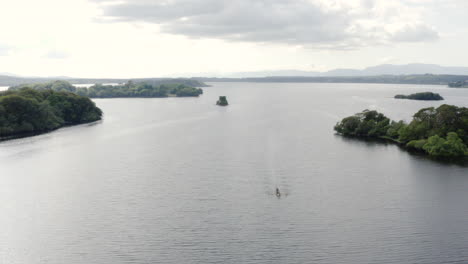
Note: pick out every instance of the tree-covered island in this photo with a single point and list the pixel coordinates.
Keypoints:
(129, 89)
(222, 101)
(426, 96)
(28, 111)
(439, 132)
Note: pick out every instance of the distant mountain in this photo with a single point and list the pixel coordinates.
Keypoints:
(384, 69)
(271, 73)
(439, 79)
(414, 68)
(9, 74)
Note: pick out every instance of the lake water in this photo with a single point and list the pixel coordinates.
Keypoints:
(180, 180)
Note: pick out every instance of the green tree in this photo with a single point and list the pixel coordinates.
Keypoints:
(453, 146)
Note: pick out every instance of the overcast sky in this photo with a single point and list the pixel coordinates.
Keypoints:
(151, 38)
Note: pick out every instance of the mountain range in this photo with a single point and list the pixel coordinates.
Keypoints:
(383, 69)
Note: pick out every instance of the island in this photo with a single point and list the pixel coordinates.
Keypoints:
(222, 101)
(426, 96)
(438, 132)
(129, 89)
(28, 111)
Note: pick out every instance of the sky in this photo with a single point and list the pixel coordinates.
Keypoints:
(156, 38)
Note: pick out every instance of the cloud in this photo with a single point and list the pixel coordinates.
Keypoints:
(340, 24)
(415, 33)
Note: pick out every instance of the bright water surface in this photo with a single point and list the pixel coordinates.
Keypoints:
(180, 180)
(87, 85)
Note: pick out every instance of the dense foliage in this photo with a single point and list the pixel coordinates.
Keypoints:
(426, 96)
(222, 101)
(59, 86)
(439, 132)
(129, 89)
(32, 111)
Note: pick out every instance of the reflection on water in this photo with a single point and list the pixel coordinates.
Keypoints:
(376, 143)
(180, 180)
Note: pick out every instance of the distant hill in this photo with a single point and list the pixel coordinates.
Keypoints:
(408, 69)
(383, 69)
(395, 79)
(8, 74)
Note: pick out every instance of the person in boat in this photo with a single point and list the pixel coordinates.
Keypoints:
(278, 194)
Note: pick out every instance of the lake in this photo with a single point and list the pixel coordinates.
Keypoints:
(181, 180)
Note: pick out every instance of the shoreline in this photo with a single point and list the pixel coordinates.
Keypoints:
(463, 161)
(37, 133)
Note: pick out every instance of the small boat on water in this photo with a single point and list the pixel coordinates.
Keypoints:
(278, 194)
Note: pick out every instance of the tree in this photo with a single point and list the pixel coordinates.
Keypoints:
(367, 123)
(451, 147)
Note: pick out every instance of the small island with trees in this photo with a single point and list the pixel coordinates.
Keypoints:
(222, 101)
(27, 111)
(438, 132)
(129, 89)
(142, 90)
(426, 96)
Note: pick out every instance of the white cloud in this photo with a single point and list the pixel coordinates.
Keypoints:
(412, 33)
(314, 23)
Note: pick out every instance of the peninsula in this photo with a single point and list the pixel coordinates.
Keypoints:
(439, 132)
(27, 111)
